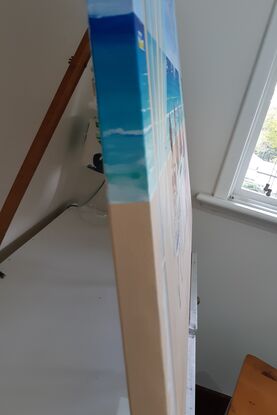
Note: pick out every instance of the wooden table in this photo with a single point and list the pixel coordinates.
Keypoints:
(256, 390)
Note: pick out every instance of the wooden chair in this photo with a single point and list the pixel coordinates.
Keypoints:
(256, 390)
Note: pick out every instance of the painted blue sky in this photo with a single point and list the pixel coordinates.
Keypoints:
(171, 40)
(100, 8)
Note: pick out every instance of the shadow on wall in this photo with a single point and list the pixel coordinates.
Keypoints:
(61, 177)
(203, 378)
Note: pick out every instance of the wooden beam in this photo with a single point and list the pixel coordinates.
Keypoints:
(44, 134)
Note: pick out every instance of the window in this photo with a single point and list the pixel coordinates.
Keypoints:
(258, 178)
(248, 180)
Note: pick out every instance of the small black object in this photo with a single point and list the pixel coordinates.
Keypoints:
(2, 275)
(267, 189)
(98, 163)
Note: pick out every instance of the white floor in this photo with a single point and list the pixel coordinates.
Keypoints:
(60, 343)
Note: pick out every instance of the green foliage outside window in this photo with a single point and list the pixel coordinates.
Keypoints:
(266, 147)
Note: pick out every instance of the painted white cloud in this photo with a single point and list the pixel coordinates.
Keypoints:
(120, 131)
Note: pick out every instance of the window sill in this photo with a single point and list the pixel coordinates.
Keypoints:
(254, 211)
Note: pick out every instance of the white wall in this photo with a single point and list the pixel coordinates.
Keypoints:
(219, 42)
(60, 346)
(36, 40)
(61, 350)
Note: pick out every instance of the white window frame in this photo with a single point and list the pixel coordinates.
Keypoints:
(236, 191)
(228, 192)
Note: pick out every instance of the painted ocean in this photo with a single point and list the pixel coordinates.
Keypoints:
(131, 120)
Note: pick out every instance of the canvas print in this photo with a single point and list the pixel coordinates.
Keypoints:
(142, 125)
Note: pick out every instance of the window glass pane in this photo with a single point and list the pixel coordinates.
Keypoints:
(261, 176)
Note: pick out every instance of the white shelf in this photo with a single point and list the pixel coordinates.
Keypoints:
(190, 401)
(191, 368)
(193, 324)
(252, 210)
